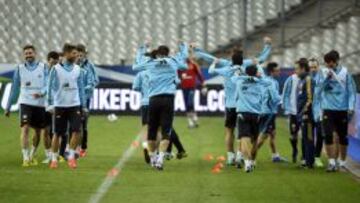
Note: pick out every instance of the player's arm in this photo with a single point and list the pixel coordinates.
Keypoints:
(143, 65)
(52, 85)
(275, 96)
(88, 80)
(286, 94)
(351, 89)
(177, 63)
(140, 54)
(262, 56)
(223, 71)
(265, 53)
(95, 77)
(198, 73)
(45, 80)
(15, 88)
(309, 94)
(212, 66)
(137, 83)
(201, 54)
(80, 83)
(183, 52)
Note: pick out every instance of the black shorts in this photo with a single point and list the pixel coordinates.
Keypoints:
(268, 123)
(161, 114)
(230, 117)
(294, 124)
(248, 125)
(189, 99)
(32, 115)
(48, 119)
(65, 116)
(335, 121)
(144, 114)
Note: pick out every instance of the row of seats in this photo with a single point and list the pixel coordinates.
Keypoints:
(113, 28)
(345, 38)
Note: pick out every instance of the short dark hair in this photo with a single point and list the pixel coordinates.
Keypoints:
(53, 55)
(68, 48)
(303, 64)
(271, 67)
(163, 50)
(237, 57)
(29, 46)
(251, 70)
(314, 60)
(151, 54)
(81, 48)
(332, 55)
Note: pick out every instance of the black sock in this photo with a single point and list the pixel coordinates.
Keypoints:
(63, 146)
(293, 144)
(174, 138)
(169, 148)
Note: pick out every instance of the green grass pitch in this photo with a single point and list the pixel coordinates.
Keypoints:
(188, 180)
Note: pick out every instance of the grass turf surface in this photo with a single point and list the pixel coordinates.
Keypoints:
(3, 79)
(187, 180)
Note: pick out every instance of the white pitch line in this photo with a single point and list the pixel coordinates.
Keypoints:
(109, 179)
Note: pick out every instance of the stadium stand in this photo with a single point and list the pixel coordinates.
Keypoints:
(113, 28)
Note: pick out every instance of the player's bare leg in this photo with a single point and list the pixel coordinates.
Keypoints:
(47, 144)
(24, 142)
(74, 141)
(55, 151)
(35, 144)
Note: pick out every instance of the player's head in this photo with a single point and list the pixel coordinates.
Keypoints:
(303, 66)
(29, 52)
(251, 70)
(314, 65)
(332, 59)
(237, 57)
(52, 58)
(82, 52)
(162, 51)
(273, 69)
(70, 53)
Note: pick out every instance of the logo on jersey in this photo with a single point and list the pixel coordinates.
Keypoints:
(28, 84)
(66, 85)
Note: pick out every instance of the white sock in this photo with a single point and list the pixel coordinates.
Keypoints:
(48, 153)
(25, 153)
(54, 156)
(230, 156)
(195, 118)
(247, 163)
(161, 157)
(152, 156)
(332, 162)
(32, 151)
(145, 145)
(342, 162)
(67, 148)
(71, 154)
(239, 156)
(191, 122)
